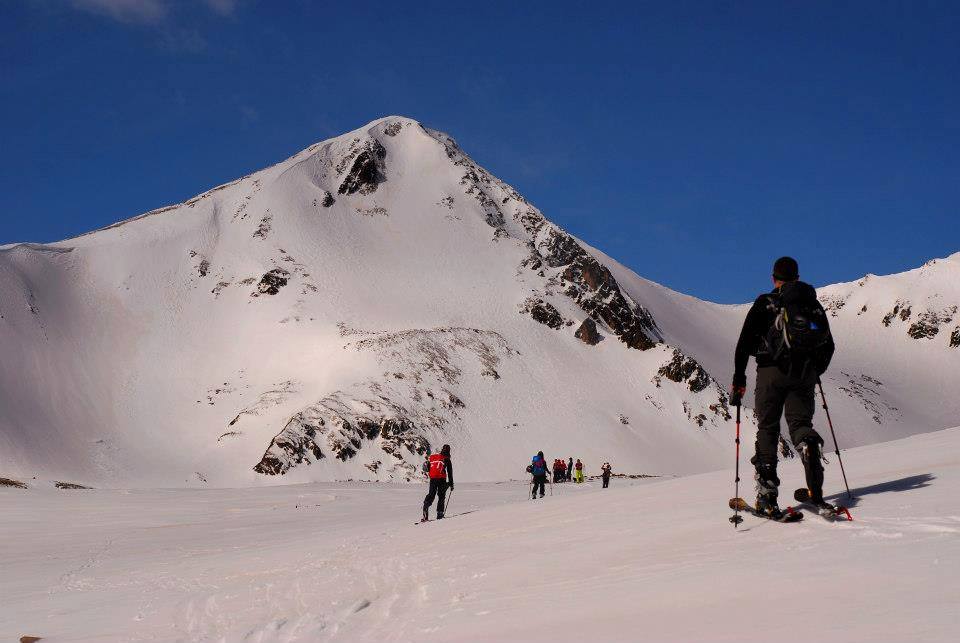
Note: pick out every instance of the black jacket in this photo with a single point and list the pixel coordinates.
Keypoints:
(759, 320)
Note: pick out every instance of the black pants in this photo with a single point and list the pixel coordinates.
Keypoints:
(438, 486)
(539, 482)
(606, 481)
(777, 394)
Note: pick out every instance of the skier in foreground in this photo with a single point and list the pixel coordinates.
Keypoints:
(538, 468)
(441, 470)
(788, 334)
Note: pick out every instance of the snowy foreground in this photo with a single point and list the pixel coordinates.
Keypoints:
(649, 560)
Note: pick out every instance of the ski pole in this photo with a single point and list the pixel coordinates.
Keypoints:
(446, 505)
(735, 518)
(835, 445)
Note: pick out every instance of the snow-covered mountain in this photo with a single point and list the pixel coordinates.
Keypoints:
(337, 314)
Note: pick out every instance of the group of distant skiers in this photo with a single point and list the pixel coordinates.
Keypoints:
(788, 334)
(567, 471)
(439, 470)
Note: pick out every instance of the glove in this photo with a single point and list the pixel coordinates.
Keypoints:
(736, 394)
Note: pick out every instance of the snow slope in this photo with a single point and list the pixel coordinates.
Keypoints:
(653, 560)
(337, 314)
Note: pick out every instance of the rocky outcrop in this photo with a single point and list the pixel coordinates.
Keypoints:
(682, 369)
(389, 422)
(543, 312)
(901, 309)
(367, 170)
(928, 323)
(327, 200)
(272, 282)
(955, 338)
(587, 333)
(591, 285)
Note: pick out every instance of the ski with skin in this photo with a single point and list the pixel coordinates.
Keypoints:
(789, 514)
(802, 496)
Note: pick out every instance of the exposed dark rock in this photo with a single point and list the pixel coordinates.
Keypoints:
(288, 449)
(416, 396)
(393, 128)
(833, 305)
(543, 312)
(69, 485)
(591, 285)
(955, 337)
(624, 419)
(328, 199)
(272, 282)
(587, 333)
(367, 171)
(265, 226)
(926, 327)
(203, 268)
(7, 482)
(685, 369)
(928, 323)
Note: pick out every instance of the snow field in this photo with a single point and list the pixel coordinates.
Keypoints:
(645, 560)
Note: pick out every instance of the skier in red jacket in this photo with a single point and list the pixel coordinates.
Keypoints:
(441, 470)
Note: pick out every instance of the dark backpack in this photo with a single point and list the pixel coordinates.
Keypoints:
(800, 332)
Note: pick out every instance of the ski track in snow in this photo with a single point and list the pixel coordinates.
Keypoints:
(644, 560)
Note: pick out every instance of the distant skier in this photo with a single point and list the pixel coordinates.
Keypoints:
(441, 477)
(578, 471)
(788, 333)
(569, 469)
(605, 472)
(538, 469)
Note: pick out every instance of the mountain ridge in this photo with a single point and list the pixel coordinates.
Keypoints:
(338, 313)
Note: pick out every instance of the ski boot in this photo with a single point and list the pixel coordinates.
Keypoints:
(812, 458)
(767, 491)
(823, 507)
(426, 516)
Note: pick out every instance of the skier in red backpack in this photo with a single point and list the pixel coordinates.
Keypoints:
(441, 470)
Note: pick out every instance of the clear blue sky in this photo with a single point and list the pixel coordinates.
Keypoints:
(695, 142)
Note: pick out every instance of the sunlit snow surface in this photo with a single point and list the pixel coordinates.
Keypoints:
(649, 560)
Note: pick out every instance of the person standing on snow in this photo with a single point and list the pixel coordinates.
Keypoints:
(569, 469)
(605, 471)
(538, 468)
(788, 334)
(578, 471)
(441, 476)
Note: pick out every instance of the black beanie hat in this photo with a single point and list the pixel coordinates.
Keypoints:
(445, 450)
(786, 269)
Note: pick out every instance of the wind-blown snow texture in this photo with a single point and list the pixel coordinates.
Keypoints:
(652, 561)
(338, 314)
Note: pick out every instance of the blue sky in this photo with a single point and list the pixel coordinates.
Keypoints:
(695, 142)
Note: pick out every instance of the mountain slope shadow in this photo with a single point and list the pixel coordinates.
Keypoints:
(908, 483)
